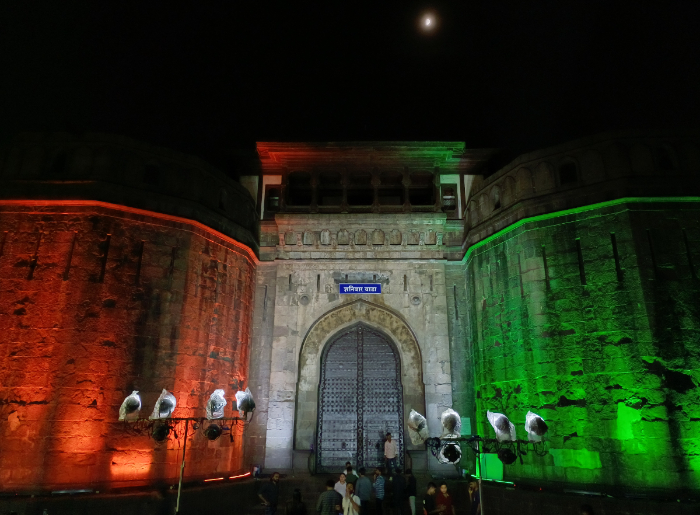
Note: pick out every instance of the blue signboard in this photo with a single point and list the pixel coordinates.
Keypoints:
(372, 288)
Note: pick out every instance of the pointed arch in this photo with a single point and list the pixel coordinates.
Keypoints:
(323, 330)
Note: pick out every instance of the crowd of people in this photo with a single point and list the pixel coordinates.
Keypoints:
(383, 494)
(388, 492)
(357, 494)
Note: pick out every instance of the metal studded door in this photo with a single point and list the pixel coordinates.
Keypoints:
(360, 400)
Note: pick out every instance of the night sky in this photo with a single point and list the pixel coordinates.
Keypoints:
(213, 78)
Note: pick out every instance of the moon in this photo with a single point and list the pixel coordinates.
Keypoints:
(428, 22)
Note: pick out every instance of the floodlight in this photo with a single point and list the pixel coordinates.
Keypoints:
(507, 456)
(216, 404)
(451, 424)
(450, 453)
(505, 430)
(165, 405)
(213, 431)
(129, 409)
(160, 432)
(417, 428)
(535, 426)
(245, 402)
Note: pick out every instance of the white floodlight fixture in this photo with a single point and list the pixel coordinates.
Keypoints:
(451, 424)
(450, 453)
(245, 402)
(417, 428)
(165, 405)
(505, 430)
(535, 426)
(131, 406)
(216, 404)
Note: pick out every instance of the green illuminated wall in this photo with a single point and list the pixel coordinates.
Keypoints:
(608, 354)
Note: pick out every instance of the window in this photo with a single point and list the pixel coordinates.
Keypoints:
(422, 191)
(330, 189)
(567, 173)
(391, 190)
(299, 192)
(272, 201)
(449, 197)
(360, 191)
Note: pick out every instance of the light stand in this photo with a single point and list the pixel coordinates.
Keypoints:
(145, 427)
(436, 444)
(182, 470)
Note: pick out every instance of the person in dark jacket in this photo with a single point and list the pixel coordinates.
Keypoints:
(430, 506)
(329, 501)
(269, 494)
(399, 484)
(379, 489)
(411, 490)
(363, 489)
(474, 497)
(296, 506)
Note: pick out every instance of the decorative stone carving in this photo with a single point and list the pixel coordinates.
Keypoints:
(430, 237)
(377, 237)
(413, 238)
(308, 238)
(299, 239)
(439, 238)
(290, 238)
(415, 300)
(395, 237)
(343, 237)
(361, 237)
(421, 239)
(304, 300)
(325, 237)
(281, 238)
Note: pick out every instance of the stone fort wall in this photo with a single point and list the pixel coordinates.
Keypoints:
(98, 299)
(581, 305)
(124, 266)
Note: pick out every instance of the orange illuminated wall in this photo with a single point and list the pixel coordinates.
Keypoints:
(97, 300)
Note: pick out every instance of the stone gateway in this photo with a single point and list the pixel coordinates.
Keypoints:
(564, 283)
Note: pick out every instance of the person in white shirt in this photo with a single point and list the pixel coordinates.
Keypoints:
(390, 452)
(351, 502)
(341, 485)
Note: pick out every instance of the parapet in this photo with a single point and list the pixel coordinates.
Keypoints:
(119, 170)
(583, 172)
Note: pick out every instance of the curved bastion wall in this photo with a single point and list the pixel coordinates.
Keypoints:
(110, 284)
(123, 171)
(582, 306)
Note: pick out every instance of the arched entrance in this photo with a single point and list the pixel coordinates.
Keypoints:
(360, 399)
